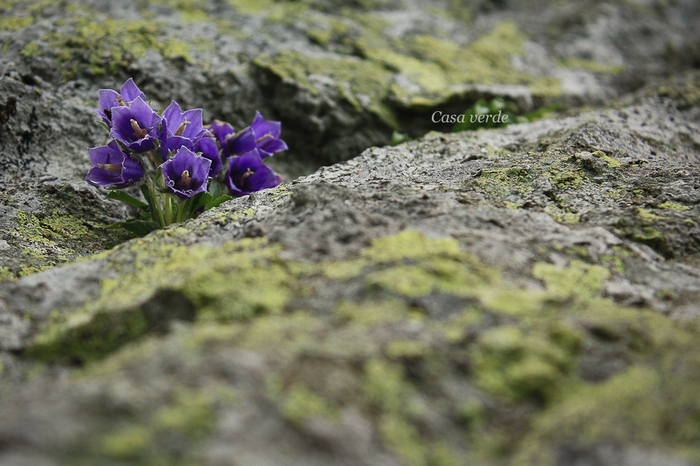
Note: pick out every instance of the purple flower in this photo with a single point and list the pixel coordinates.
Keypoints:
(262, 135)
(180, 129)
(183, 124)
(186, 173)
(247, 174)
(113, 167)
(207, 146)
(222, 131)
(135, 126)
(110, 98)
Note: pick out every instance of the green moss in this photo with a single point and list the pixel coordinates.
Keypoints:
(435, 64)
(614, 193)
(354, 78)
(648, 235)
(612, 163)
(6, 275)
(513, 364)
(13, 23)
(578, 280)
(191, 413)
(567, 179)
(648, 216)
(85, 336)
(674, 206)
(404, 439)
(31, 50)
(237, 281)
(614, 262)
(125, 444)
(301, 404)
(501, 183)
(34, 253)
(562, 216)
(373, 312)
(110, 45)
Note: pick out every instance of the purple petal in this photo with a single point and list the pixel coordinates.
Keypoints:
(194, 129)
(207, 146)
(244, 142)
(123, 130)
(130, 91)
(186, 165)
(220, 130)
(272, 128)
(263, 178)
(173, 144)
(274, 145)
(247, 174)
(131, 170)
(101, 177)
(108, 99)
(172, 115)
(124, 171)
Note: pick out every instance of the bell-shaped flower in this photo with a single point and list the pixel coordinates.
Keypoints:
(207, 147)
(112, 167)
(222, 132)
(135, 126)
(172, 144)
(262, 135)
(186, 173)
(187, 124)
(110, 98)
(247, 174)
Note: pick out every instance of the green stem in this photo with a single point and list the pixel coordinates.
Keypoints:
(156, 211)
(168, 207)
(182, 209)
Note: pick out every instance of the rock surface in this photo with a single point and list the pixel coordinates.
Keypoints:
(527, 295)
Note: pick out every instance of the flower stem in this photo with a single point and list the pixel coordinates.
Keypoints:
(154, 202)
(168, 208)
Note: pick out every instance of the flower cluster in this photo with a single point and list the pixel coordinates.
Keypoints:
(181, 166)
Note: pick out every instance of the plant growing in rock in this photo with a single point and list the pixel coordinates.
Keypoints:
(181, 166)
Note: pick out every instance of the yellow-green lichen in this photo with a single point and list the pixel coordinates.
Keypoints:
(513, 364)
(592, 66)
(125, 444)
(579, 279)
(84, 336)
(13, 23)
(612, 163)
(674, 206)
(190, 413)
(356, 79)
(301, 404)
(31, 50)
(561, 215)
(648, 216)
(6, 275)
(111, 44)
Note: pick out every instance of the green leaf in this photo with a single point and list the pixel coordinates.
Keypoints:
(136, 226)
(124, 197)
(200, 200)
(217, 201)
(215, 189)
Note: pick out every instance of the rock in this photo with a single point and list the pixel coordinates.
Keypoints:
(525, 294)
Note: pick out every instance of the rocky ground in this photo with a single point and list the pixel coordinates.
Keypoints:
(524, 295)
